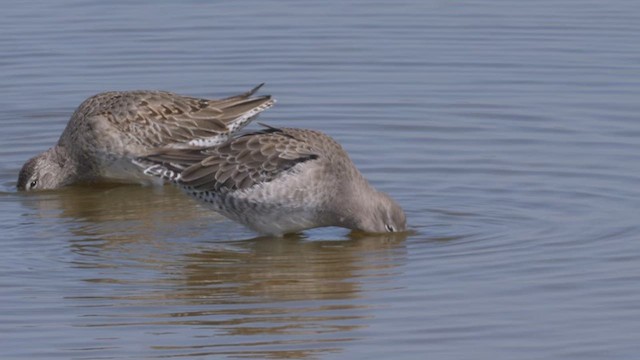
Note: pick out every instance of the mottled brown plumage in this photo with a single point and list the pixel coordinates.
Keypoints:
(238, 164)
(278, 181)
(109, 129)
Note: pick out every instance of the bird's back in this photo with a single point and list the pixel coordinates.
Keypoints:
(107, 130)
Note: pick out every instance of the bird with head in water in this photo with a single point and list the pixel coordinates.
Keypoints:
(109, 129)
(45, 171)
(278, 181)
(275, 181)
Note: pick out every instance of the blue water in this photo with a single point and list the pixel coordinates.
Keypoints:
(507, 130)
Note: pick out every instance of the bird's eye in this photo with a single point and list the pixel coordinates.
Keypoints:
(33, 184)
(389, 228)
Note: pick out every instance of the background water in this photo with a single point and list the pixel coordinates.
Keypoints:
(508, 131)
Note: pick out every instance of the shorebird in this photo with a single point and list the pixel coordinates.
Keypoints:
(108, 130)
(278, 181)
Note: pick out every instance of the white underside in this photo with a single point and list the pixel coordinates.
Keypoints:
(276, 222)
(286, 205)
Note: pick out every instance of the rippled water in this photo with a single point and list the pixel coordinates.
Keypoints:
(508, 130)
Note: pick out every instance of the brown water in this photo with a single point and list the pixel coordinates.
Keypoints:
(508, 131)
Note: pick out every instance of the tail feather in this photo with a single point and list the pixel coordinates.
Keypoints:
(245, 94)
(235, 113)
(243, 118)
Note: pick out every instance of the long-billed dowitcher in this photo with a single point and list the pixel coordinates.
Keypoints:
(279, 181)
(109, 129)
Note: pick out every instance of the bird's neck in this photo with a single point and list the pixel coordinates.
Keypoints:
(67, 163)
(357, 203)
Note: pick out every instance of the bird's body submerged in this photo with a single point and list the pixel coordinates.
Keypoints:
(279, 181)
(109, 129)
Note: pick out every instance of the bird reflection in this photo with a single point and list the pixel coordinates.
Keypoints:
(290, 268)
(113, 216)
(151, 257)
(286, 291)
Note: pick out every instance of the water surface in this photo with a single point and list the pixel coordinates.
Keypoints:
(507, 130)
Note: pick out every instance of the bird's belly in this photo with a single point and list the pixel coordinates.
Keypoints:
(279, 222)
(264, 213)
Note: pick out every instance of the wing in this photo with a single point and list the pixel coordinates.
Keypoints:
(157, 118)
(241, 163)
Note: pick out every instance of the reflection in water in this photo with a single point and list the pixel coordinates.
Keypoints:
(106, 203)
(289, 288)
(279, 297)
(275, 269)
(116, 215)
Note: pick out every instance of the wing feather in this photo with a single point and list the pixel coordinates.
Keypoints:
(237, 164)
(159, 118)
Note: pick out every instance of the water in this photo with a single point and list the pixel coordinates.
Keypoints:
(507, 130)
